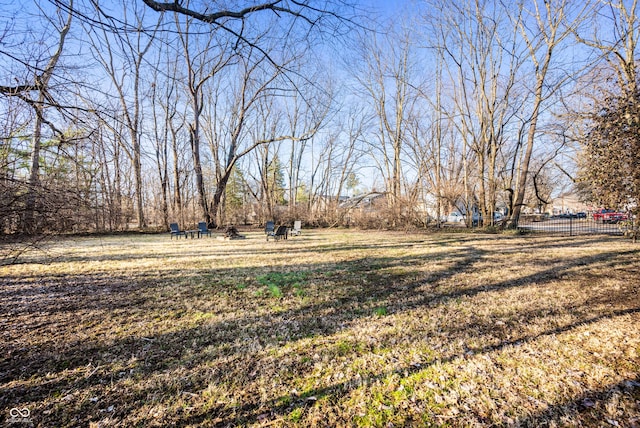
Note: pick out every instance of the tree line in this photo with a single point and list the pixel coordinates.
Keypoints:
(129, 115)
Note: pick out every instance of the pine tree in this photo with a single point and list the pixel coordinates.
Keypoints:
(235, 190)
(275, 182)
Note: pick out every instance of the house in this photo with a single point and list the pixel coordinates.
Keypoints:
(567, 203)
(324, 202)
(364, 202)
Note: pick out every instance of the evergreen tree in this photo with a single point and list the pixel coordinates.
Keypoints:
(275, 182)
(235, 190)
(611, 158)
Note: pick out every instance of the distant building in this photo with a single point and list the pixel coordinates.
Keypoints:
(567, 203)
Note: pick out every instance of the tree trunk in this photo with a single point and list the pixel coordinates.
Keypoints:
(197, 168)
(30, 220)
(531, 134)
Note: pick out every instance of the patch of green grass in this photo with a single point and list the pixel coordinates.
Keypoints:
(282, 279)
(298, 290)
(343, 348)
(275, 291)
(277, 282)
(380, 311)
(202, 316)
(296, 414)
(348, 347)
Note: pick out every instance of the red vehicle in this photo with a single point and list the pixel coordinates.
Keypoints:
(608, 216)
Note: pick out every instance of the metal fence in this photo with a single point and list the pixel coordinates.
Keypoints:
(569, 226)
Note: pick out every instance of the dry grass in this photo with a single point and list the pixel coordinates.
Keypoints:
(328, 329)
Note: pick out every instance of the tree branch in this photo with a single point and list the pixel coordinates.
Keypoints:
(213, 17)
(18, 89)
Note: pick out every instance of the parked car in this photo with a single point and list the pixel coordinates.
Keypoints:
(565, 215)
(608, 216)
(455, 217)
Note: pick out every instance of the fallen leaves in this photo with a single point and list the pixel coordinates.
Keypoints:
(475, 331)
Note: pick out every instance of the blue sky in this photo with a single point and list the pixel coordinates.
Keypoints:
(384, 6)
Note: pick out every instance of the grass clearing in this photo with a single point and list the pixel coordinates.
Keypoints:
(331, 328)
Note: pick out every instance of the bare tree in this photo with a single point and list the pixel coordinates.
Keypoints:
(164, 99)
(350, 151)
(122, 56)
(483, 62)
(107, 152)
(326, 153)
(544, 27)
(269, 121)
(619, 45)
(309, 106)
(40, 86)
(388, 81)
(203, 61)
(254, 85)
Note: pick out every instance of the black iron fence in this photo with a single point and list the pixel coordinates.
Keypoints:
(569, 225)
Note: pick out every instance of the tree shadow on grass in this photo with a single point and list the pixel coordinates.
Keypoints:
(195, 249)
(217, 343)
(281, 406)
(51, 294)
(76, 294)
(588, 408)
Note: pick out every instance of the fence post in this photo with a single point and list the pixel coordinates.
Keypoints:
(570, 225)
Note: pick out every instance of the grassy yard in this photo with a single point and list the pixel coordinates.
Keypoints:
(332, 328)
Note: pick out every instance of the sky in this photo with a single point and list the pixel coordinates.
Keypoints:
(385, 7)
(394, 10)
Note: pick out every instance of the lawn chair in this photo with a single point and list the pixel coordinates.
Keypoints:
(175, 231)
(269, 229)
(281, 233)
(297, 228)
(203, 229)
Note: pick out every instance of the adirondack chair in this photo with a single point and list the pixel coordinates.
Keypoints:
(281, 233)
(269, 229)
(175, 231)
(297, 228)
(203, 229)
